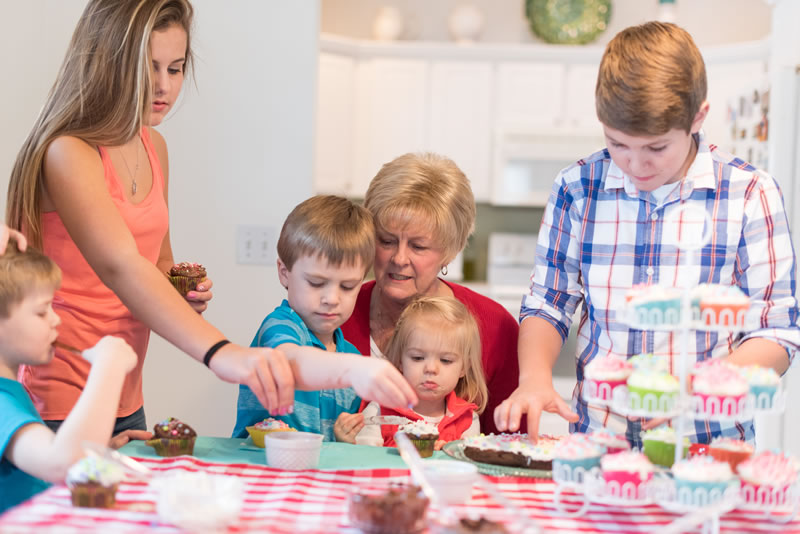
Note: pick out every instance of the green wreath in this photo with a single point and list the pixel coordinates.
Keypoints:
(568, 21)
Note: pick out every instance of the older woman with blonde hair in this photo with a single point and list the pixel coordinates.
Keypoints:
(424, 212)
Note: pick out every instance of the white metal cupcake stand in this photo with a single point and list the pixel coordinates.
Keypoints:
(699, 507)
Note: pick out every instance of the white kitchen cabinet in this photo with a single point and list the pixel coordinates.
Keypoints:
(529, 95)
(334, 134)
(460, 118)
(579, 113)
(391, 111)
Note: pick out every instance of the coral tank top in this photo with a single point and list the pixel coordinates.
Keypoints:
(88, 309)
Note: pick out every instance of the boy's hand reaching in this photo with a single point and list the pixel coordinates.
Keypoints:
(380, 381)
(347, 425)
(112, 349)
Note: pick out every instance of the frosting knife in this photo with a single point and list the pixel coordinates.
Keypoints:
(386, 420)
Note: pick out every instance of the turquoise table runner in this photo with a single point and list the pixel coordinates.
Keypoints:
(238, 450)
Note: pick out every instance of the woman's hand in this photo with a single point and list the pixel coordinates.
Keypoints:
(347, 426)
(127, 435)
(378, 380)
(533, 400)
(6, 234)
(199, 297)
(265, 371)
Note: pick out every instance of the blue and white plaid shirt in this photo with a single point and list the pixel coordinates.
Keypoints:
(600, 236)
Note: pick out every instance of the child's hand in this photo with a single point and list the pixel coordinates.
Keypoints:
(437, 446)
(127, 435)
(114, 349)
(347, 425)
(199, 297)
(380, 381)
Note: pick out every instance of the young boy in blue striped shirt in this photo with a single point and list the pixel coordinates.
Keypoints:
(325, 249)
(616, 219)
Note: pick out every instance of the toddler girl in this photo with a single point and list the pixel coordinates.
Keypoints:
(437, 347)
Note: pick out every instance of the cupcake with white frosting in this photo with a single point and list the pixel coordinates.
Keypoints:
(701, 480)
(93, 482)
(606, 373)
(719, 390)
(422, 434)
(763, 383)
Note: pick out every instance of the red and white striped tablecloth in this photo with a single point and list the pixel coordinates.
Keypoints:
(279, 501)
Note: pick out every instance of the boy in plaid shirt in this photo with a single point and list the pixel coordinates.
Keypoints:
(610, 223)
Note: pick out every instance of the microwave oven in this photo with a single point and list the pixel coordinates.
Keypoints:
(526, 163)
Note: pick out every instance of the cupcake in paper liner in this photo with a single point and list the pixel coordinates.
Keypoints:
(185, 276)
(701, 480)
(659, 445)
(652, 391)
(423, 435)
(93, 483)
(607, 373)
(763, 383)
(730, 450)
(720, 390)
(172, 438)
(267, 426)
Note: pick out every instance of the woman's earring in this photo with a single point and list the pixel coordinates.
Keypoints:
(444, 270)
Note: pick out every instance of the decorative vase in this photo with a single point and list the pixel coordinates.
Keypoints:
(465, 23)
(388, 24)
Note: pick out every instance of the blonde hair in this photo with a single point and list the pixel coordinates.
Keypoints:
(330, 227)
(652, 79)
(459, 327)
(429, 187)
(101, 95)
(23, 272)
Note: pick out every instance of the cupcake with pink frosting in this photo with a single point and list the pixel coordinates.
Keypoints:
(575, 455)
(607, 373)
(767, 477)
(719, 390)
(613, 443)
(626, 472)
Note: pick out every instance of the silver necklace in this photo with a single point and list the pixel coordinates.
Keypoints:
(136, 169)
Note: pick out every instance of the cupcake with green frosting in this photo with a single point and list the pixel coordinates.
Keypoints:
(659, 445)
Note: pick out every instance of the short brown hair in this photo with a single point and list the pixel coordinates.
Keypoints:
(458, 324)
(652, 79)
(427, 186)
(23, 272)
(331, 227)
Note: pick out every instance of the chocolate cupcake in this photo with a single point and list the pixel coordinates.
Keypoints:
(172, 438)
(93, 483)
(400, 509)
(185, 276)
(423, 435)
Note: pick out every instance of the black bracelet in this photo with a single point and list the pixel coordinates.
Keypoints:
(213, 350)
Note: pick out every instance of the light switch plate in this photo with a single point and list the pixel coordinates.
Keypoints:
(256, 245)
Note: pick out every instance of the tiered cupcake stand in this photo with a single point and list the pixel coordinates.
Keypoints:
(699, 507)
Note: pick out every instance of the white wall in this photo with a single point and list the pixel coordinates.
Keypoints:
(241, 151)
(709, 21)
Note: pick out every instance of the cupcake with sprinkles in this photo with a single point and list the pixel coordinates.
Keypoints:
(719, 390)
(625, 473)
(604, 374)
(423, 435)
(763, 384)
(650, 362)
(613, 443)
(267, 426)
(653, 391)
(767, 478)
(172, 437)
(576, 454)
(93, 483)
(185, 276)
(654, 305)
(701, 480)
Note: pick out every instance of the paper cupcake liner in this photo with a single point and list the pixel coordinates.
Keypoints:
(763, 396)
(605, 388)
(257, 434)
(723, 314)
(766, 496)
(646, 397)
(172, 447)
(658, 312)
(661, 453)
(94, 495)
(424, 446)
(720, 404)
(733, 458)
(184, 284)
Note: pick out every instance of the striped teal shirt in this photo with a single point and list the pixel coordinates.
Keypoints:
(314, 411)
